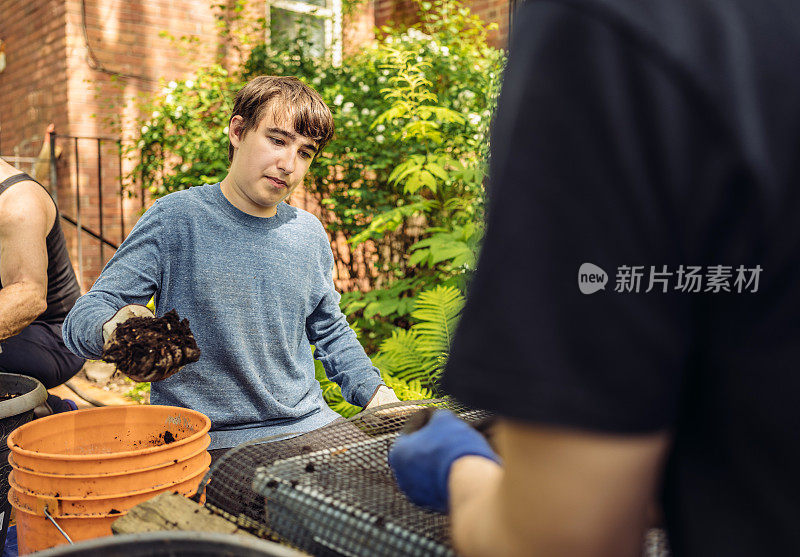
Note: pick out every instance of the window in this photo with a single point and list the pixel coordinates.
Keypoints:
(321, 19)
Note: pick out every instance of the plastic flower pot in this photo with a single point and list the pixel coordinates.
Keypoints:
(19, 395)
(87, 468)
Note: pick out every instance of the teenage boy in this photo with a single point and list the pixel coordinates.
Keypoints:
(252, 275)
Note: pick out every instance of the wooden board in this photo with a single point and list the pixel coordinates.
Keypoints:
(170, 511)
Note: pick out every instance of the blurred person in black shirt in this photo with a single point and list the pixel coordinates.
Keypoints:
(635, 316)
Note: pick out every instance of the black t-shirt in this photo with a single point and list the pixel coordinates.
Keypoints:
(658, 141)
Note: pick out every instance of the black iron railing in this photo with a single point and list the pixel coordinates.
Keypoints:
(76, 220)
(101, 233)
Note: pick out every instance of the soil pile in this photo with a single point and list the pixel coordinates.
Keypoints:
(152, 349)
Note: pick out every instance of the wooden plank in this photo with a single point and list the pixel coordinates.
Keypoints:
(109, 398)
(170, 511)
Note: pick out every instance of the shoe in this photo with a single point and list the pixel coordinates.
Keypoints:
(11, 548)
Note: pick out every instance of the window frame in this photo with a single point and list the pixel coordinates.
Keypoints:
(331, 13)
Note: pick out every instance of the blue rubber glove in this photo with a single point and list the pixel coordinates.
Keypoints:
(421, 460)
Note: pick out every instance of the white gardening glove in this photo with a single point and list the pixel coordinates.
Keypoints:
(146, 348)
(125, 313)
(383, 395)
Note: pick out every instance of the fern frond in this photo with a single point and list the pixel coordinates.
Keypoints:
(437, 310)
(400, 352)
(406, 390)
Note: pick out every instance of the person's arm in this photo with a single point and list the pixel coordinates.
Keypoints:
(560, 492)
(23, 259)
(41, 168)
(336, 344)
(131, 277)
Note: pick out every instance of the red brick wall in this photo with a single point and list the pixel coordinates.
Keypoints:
(404, 12)
(358, 27)
(33, 87)
(395, 12)
(493, 11)
(51, 77)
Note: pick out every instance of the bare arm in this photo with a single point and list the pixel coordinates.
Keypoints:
(24, 223)
(560, 492)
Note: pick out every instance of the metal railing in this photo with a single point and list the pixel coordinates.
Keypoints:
(77, 221)
(76, 218)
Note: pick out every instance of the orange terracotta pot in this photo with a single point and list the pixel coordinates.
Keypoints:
(89, 467)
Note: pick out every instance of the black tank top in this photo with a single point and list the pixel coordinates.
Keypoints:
(62, 286)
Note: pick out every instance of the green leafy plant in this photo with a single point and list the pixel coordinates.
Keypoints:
(418, 354)
(332, 393)
(139, 392)
(184, 140)
(438, 181)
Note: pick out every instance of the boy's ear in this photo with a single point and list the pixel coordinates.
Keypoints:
(235, 130)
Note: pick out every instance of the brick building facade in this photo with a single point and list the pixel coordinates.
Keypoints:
(81, 64)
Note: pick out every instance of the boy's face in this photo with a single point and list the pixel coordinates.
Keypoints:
(269, 162)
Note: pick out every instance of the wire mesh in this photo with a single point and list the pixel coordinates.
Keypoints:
(7, 425)
(331, 492)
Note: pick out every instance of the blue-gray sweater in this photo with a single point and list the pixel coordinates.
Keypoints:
(256, 292)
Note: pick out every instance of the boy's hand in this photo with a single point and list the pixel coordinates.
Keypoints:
(383, 395)
(421, 461)
(150, 348)
(125, 313)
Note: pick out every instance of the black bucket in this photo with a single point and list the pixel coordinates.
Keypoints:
(173, 543)
(19, 395)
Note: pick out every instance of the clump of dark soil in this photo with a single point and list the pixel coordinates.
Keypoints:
(152, 349)
(168, 437)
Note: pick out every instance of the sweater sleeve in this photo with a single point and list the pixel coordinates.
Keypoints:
(132, 276)
(337, 346)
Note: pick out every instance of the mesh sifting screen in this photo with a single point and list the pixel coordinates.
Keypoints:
(330, 492)
(7, 425)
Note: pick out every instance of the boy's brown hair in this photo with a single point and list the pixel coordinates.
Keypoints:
(292, 102)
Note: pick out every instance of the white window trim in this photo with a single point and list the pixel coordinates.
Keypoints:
(333, 22)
